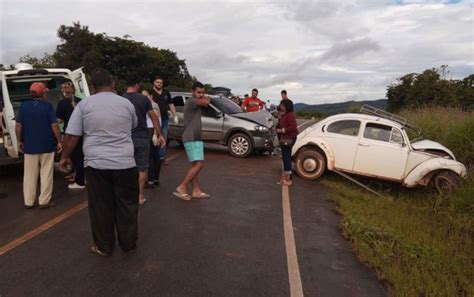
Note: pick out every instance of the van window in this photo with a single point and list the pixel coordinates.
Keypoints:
(19, 90)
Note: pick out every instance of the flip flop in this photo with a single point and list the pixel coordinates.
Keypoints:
(183, 196)
(201, 196)
(95, 250)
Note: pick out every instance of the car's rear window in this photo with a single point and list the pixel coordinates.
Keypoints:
(18, 90)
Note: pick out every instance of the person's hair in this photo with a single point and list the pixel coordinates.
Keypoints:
(288, 104)
(160, 78)
(254, 90)
(69, 82)
(101, 78)
(283, 92)
(132, 80)
(196, 85)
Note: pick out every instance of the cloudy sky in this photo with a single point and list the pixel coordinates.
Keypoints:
(320, 51)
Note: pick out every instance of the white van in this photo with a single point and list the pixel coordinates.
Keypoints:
(14, 89)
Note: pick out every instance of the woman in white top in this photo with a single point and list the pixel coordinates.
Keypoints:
(155, 162)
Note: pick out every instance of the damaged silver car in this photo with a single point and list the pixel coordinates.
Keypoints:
(224, 122)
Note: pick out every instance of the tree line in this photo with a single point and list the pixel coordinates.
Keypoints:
(121, 56)
(431, 88)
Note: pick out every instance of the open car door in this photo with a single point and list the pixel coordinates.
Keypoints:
(80, 83)
(8, 122)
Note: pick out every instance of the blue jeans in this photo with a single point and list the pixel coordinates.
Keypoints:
(164, 131)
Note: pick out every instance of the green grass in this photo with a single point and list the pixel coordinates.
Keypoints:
(420, 243)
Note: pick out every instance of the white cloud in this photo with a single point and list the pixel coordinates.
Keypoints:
(319, 51)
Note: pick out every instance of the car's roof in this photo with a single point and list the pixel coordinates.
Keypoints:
(361, 116)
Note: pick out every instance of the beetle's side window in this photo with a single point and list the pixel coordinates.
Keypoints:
(378, 132)
(346, 127)
(396, 136)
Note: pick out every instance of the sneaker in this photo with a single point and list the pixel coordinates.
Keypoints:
(50, 204)
(75, 186)
(149, 185)
(156, 183)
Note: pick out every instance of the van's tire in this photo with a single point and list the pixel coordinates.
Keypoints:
(446, 181)
(240, 145)
(310, 164)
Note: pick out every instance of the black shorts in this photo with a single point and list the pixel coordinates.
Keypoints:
(142, 153)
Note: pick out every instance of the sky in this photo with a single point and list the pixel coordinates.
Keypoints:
(319, 51)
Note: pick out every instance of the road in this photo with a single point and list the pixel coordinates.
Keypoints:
(237, 243)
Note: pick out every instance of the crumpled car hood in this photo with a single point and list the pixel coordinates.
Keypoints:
(262, 117)
(426, 144)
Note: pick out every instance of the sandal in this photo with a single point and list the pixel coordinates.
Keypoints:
(182, 196)
(202, 195)
(95, 250)
(141, 202)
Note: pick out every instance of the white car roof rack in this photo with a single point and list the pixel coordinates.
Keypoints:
(368, 109)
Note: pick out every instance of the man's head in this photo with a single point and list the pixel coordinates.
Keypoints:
(198, 90)
(254, 93)
(102, 80)
(38, 90)
(158, 83)
(68, 89)
(284, 95)
(133, 82)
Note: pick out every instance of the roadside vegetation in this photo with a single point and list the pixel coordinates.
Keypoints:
(420, 243)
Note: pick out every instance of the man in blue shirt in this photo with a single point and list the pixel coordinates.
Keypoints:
(38, 135)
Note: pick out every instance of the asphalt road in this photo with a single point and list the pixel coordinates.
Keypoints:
(232, 244)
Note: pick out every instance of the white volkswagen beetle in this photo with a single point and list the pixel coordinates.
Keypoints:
(375, 145)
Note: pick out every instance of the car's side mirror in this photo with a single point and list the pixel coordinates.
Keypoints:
(219, 114)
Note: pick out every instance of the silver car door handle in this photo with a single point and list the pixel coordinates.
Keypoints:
(363, 144)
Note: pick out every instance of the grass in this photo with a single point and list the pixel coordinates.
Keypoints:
(421, 244)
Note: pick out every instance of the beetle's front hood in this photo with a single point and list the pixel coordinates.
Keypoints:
(426, 144)
(261, 117)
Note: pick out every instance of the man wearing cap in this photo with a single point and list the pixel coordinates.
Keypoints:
(38, 135)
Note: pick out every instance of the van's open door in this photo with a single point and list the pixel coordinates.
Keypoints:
(8, 122)
(79, 79)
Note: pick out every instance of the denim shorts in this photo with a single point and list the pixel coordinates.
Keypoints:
(142, 153)
(194, 150)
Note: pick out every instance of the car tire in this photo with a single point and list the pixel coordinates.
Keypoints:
(239, 145)
(446, 182)
(310, 164)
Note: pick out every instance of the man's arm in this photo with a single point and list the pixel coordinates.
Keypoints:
(18, 136)
(69, 143)
(57, 134)
(203, 101)
(156, 122)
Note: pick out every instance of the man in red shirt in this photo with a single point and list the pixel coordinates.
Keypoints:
(252, 104)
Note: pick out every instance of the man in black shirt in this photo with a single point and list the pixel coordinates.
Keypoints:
(164, 100)
(140, 135)
(63, 113)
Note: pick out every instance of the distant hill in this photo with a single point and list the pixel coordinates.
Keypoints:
(335, 108)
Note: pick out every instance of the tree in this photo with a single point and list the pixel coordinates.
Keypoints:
(120, 56)
(430, 88)
(46, 62)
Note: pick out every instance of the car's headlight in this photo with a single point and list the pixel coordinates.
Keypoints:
(261, 129)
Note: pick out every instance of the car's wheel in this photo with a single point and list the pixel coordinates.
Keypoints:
(446, 182)
(240, 145)
(310, 164)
